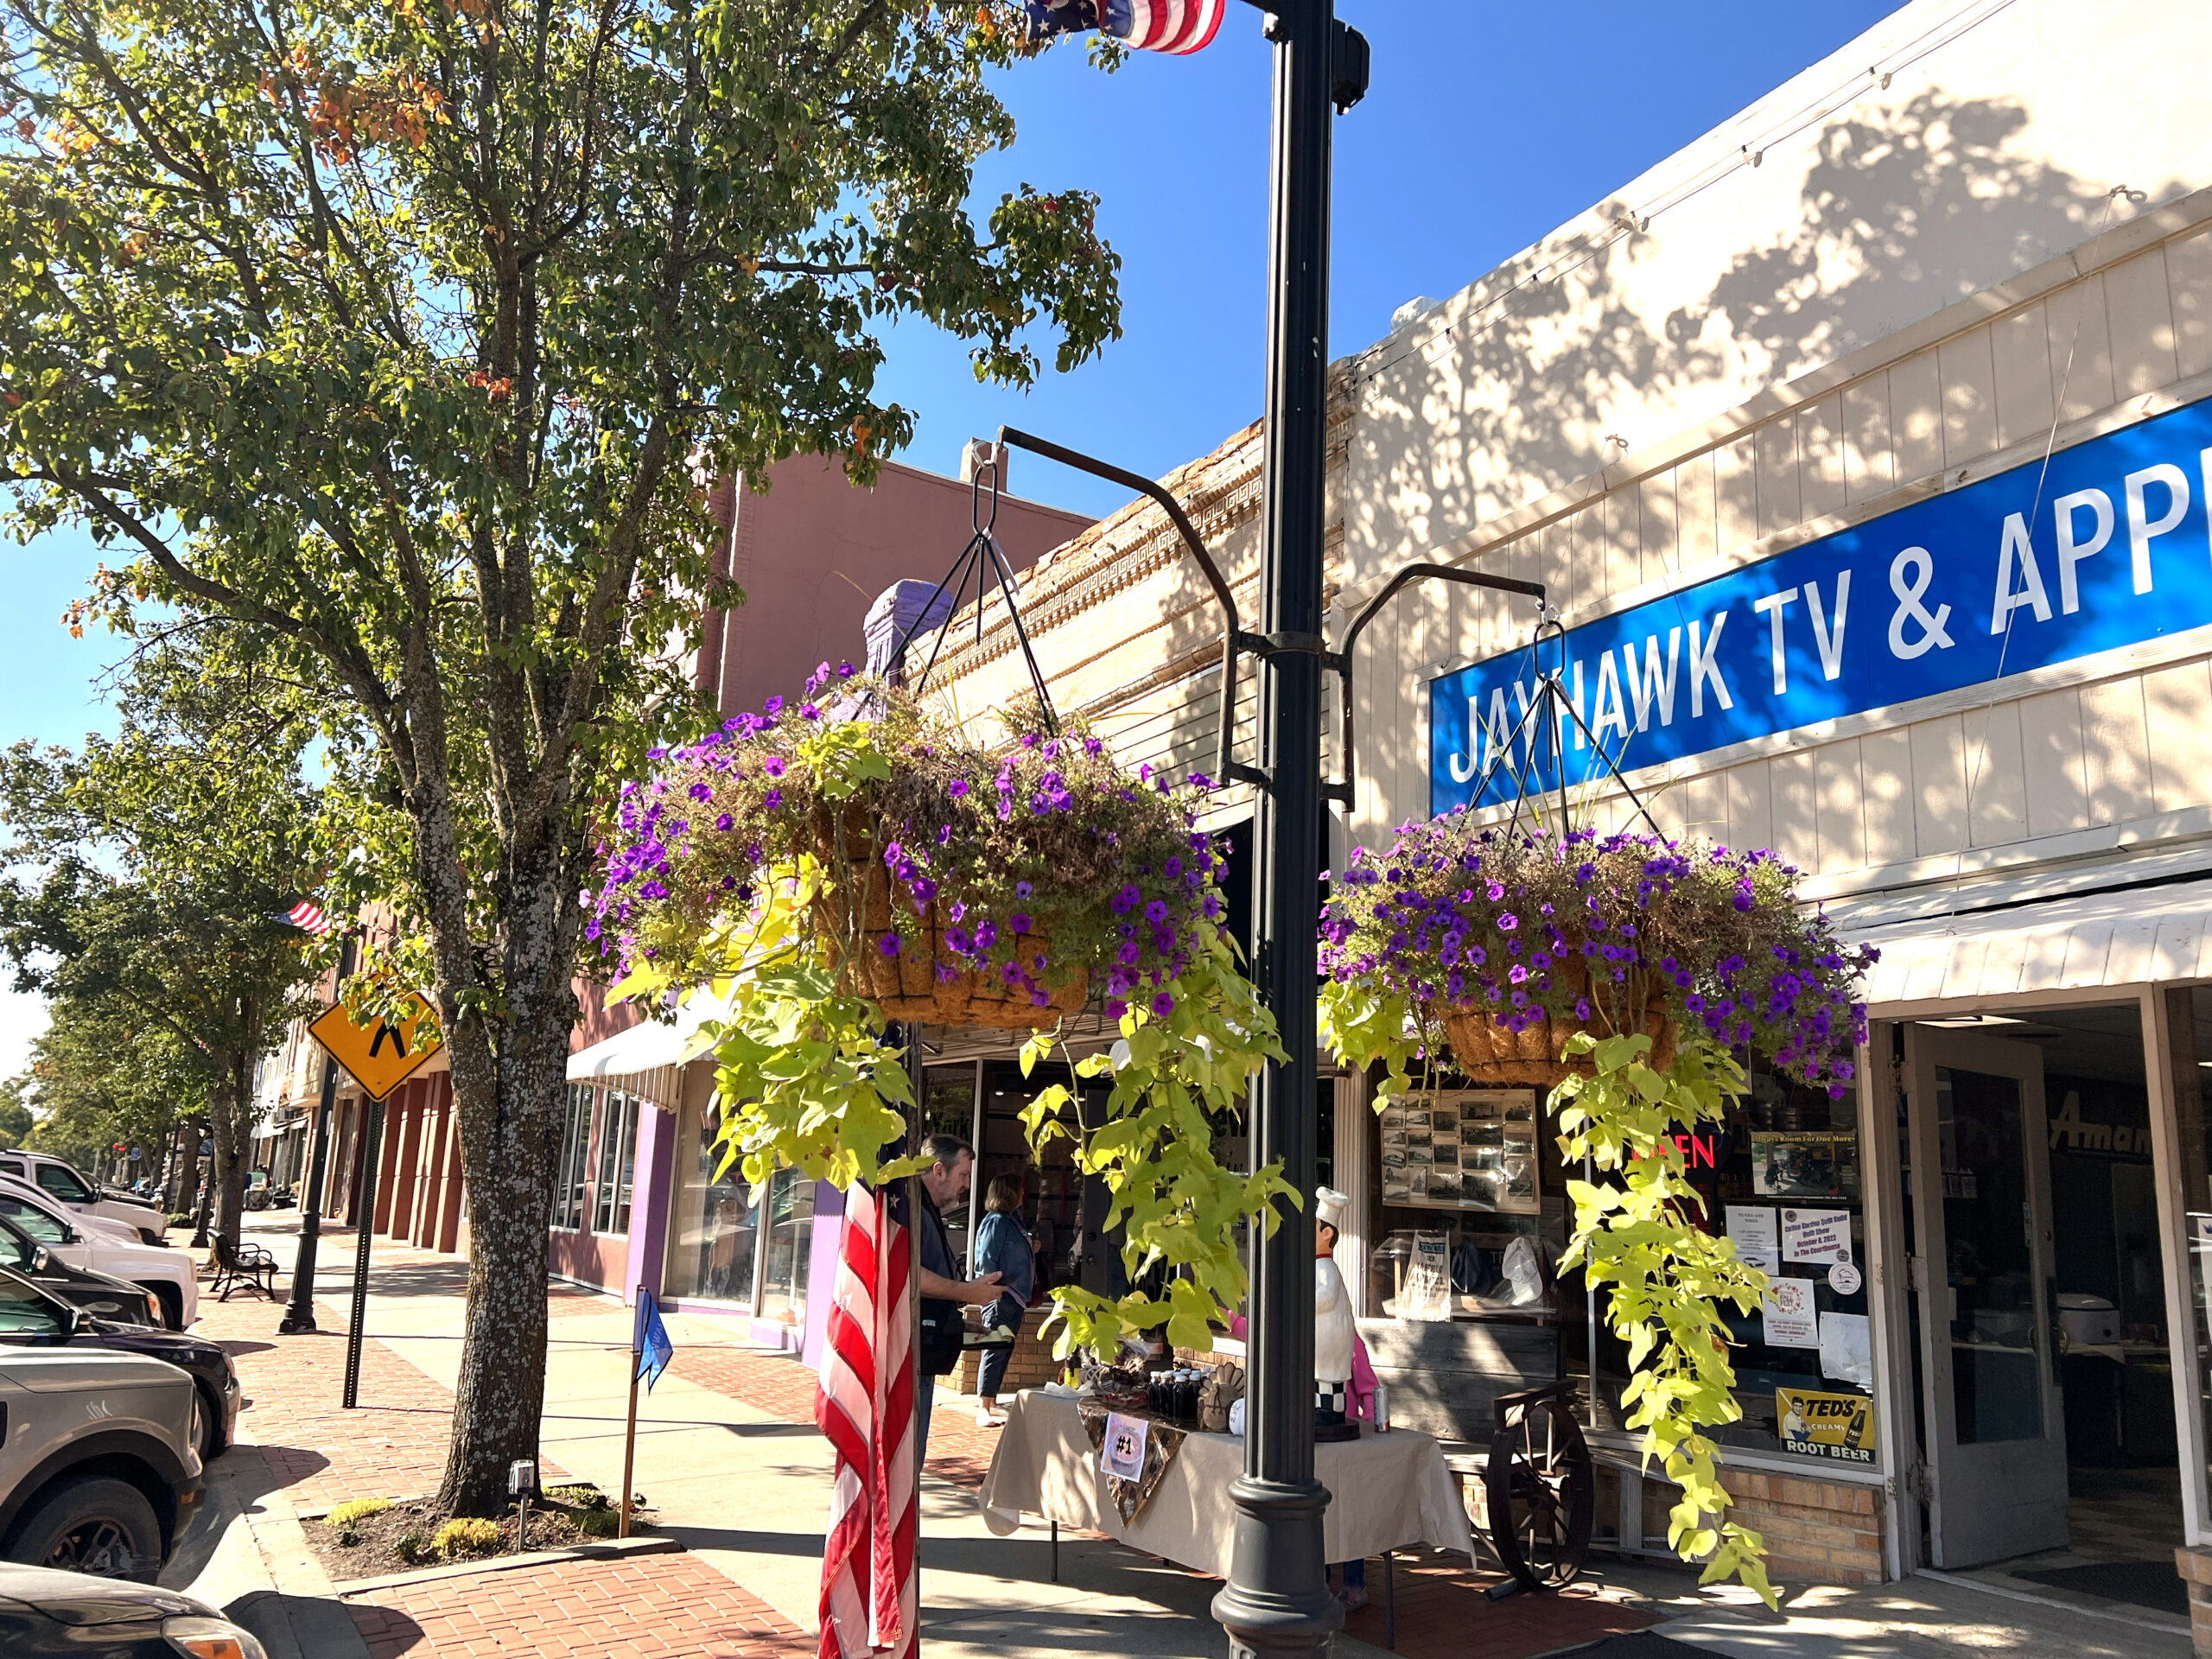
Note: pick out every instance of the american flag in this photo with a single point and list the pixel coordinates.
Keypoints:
(870, 1590)
(308, 917)
(1174, 26)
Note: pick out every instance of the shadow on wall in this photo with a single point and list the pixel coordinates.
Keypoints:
(1904, 212)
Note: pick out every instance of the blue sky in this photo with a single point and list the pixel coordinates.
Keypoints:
(1486, 125)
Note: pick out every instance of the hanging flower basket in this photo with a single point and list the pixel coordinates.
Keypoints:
(945, 882)
(1512, 940)
(1488, 1050)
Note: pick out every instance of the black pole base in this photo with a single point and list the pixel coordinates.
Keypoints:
(296, 1325)
(1278, 1602)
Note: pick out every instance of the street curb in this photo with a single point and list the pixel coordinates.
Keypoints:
(612, 1547)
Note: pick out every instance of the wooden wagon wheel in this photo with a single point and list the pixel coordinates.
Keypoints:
(1541, 1487)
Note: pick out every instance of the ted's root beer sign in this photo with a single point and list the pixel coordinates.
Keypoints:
(1837, 1426)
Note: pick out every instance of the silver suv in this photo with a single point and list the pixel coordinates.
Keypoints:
(100, 1460)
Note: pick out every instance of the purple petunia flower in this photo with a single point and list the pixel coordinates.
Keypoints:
(1163, 1004)
(888, 944)
(723, 822)
(774, 707)
(773, 800)
(774, 766)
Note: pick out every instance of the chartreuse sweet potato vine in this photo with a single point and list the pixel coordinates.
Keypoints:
(1638, 1234)
(807, 863)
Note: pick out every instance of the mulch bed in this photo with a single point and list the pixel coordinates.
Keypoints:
(400, 1539)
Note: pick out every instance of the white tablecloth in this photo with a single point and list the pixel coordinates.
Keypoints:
(1387, 1491)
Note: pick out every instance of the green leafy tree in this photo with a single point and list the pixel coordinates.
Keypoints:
(164, 859)
(406, 333)
(99, 1074)
(16, 1116)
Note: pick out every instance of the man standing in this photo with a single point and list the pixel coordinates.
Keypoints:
(952, 1163)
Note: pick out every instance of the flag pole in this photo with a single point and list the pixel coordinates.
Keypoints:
(630, 1431)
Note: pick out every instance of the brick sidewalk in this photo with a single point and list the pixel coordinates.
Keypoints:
(392, 1446)
(634, 1607)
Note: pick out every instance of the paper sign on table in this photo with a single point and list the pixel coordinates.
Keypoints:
(1121, 1454)
(1758, 1241)
(1821, 1236)
(1791, 1321)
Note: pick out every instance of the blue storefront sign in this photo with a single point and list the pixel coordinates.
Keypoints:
(2109, 546)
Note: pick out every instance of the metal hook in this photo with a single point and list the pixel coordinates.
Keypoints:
(980, 524)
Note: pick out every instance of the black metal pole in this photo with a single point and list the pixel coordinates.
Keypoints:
(363, 1228)
(299, 1317)
(1277, 1601)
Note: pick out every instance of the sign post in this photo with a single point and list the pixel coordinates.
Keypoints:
(379, 1056)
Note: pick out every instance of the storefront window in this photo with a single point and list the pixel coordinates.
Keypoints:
(1781, 1176)
(949, 1107)
(572, 1188)
(617, 1163)
(791, 1238)
(717, 1221)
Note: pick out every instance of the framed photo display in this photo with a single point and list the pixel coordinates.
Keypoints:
(1461, 1149)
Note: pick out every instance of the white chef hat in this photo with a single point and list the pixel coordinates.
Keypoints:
(1329, 1207)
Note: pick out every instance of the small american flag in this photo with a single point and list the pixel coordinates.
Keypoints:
(870, 1589)
(1178, 26)
(308, 917)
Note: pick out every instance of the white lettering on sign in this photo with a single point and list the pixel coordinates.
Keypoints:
(1827, 631)
(1612, 712)
(2140, 526)
(1773, 606)
(1702, 668)
(1910, 573)
(1655, 687)
(2082, 1136)
(2072, 551)
(2017, 545)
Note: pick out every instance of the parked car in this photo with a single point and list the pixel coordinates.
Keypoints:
(90, 1241)
(100, 1469)
(100, 1294)
(45, 1614)
(50, 1322)
(68, 1185)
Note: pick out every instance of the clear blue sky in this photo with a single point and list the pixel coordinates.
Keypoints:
(1486, 125)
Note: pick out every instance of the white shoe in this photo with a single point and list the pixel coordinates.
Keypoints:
(991, 1419)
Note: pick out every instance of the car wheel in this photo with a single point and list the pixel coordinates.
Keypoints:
(172, 1301)
(100, 1526)
(211, 1426)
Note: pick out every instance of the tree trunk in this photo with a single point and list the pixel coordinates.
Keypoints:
(506, 1160)
(228, 1177)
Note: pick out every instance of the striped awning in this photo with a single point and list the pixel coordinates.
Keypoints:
(2123, 936)
(649, 1059)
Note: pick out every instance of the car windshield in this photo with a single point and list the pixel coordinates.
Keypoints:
(26, 1312)
(65, 1183)
(32, 1219)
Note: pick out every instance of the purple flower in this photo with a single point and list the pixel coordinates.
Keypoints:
(1018, 922)
(888, 944)
(723, 822)
(1092, 746)
(956, 788)
(699, 792)
(808, 711)
(773, 800)
(1507, 921)
(1163, 1004)
(774, 707)
(844, 670)
(774, 766)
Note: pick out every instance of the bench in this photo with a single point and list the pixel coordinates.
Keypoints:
(242, 1265)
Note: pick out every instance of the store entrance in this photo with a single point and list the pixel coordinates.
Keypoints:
(2045, 1383)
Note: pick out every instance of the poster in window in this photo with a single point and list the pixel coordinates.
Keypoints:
(1793, 1165)
(1816, 1235)
(1461, 1149)
(1789, 1315)
(1838, 1426)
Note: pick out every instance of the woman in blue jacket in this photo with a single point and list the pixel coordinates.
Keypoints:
(1002, 1247)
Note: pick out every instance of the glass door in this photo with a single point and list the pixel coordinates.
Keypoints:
(1992, 1427)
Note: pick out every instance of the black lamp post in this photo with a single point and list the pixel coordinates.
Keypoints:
(1277, 1601)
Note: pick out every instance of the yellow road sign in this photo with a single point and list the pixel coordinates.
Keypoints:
(379, 1056)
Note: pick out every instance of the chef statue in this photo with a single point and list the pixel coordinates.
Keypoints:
(1335, 1334)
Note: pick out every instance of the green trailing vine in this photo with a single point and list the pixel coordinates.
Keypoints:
(1640, 1234)
(819, 864)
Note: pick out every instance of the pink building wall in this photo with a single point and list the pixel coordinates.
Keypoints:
(812, 553)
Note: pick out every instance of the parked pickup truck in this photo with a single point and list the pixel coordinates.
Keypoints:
(100, 1467)
(106, 1246)
(64, 1182)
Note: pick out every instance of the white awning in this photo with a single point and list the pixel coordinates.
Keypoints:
(2129, 936)
(649, 1048)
